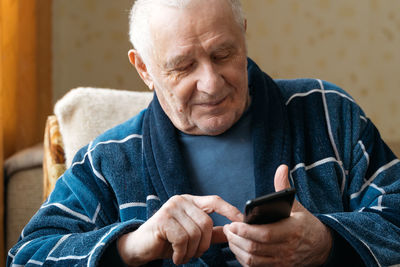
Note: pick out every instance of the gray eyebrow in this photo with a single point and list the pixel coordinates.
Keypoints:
(175, 61)
(226, 46)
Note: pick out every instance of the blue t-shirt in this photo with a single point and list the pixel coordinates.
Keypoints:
(222, 165)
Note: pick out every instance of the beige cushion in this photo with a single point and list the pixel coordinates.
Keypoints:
(25, 159)
(84, 113)
(23, 198)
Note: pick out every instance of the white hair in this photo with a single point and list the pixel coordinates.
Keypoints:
(139, 28)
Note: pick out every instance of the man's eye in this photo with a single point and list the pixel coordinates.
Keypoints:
(184, 68)
(221, 56)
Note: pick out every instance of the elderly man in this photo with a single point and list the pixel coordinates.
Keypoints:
(168, 186)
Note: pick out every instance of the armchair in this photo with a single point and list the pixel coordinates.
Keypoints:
(95, 111)
(80, 116)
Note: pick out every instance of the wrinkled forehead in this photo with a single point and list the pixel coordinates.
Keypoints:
(172, 27)
(192, 10)
(181, 4)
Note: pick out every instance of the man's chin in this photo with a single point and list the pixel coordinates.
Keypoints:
(215, 126)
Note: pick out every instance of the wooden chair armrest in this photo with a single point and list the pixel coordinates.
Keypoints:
(54, 158)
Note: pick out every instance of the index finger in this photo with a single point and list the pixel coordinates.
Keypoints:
(210, 204)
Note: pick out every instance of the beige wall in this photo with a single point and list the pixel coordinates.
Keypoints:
(355, 44)
(90, 45)
(352, 43)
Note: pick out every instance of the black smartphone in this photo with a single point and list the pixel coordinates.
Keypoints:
(270, 208)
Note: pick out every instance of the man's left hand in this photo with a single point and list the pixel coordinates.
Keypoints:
(301, 239)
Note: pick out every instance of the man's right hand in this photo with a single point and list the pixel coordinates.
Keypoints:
(181, 229)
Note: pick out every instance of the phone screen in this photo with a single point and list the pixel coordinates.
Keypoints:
(270, 208)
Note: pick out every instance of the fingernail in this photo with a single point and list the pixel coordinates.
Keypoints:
(239, 217)
(225, 228)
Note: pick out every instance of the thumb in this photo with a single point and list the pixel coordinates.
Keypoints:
(218, 235)
(281, 179)
(281, 182)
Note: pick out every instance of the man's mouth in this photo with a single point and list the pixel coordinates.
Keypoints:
(213, 103)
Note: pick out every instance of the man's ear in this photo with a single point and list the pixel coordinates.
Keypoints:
(141, 68)
(245, 25)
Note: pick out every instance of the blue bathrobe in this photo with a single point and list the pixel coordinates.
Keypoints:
(343, 172)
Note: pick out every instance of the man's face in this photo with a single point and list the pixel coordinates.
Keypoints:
(199, 66)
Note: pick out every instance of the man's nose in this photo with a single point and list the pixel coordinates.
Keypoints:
(209, 80)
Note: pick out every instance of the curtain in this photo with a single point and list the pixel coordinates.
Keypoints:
(25, 80)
